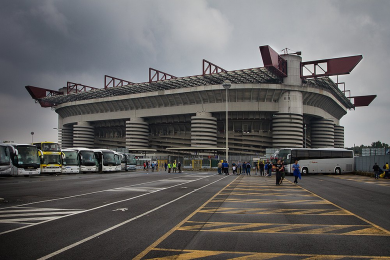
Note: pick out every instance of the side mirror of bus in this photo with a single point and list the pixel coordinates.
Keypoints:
(288, 156)
(16, 152)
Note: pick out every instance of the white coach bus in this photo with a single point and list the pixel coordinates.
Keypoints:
(317, 160)
(71, 161)
(19, 159)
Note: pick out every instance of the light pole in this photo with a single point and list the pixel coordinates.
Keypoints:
(226, 85)
(32, 138)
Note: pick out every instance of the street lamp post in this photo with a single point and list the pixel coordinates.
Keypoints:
(226, 85)
(32, 138)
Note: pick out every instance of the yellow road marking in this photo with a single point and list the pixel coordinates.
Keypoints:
(238, 200)
(222, 210)
(263, 194)
(282, 228)
(158, 241)
(349, 212)
(196, 254)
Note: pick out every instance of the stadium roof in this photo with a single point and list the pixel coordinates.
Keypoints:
(253, 75)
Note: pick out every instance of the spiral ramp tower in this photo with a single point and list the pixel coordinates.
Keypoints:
(322, 133)
(203, 130)
(338, 136)
(83, 135)
(287, 130)
(137, 134)
(65, 136)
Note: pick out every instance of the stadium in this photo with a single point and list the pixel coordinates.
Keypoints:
(286, 103)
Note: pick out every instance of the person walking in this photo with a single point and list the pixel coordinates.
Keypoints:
(169, 167)
(296, 171)
(269, 169)
(174, 166)
(179, 166)
(376, 170)
(220, 167)
(225, 167)
(165, 166)
(261, 166)
(278, 172)
(248, 169)
(283, 173)
(243, 170)
(234, 168)
(386, 168)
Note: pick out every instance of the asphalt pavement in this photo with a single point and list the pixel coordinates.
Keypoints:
(193, 215)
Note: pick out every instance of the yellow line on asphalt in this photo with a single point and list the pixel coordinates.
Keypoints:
(349, 212)
(303, 201)
(272, 228)
(267, 211)
(158, 241)
(196, 254)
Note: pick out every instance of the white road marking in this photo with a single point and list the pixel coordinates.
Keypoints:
(102, 206)
(123, 223)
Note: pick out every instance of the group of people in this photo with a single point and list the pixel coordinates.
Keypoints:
(265, 169)
(378, 170)
(173, 166)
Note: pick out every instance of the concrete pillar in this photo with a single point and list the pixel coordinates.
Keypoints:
(293, 70)
(137, 134)
(322, 133)
(203, 130)
(287, 130)
(65, 136)
(287, 124)
(83, 135)
(338, 136)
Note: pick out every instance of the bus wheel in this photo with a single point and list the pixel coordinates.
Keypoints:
(305, 171)
(337, 171)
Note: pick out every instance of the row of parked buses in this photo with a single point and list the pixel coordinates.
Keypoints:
(47, 157)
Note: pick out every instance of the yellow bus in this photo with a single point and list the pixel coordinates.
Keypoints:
(51, 157)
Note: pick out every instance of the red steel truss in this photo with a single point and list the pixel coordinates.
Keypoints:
(273, 61)
(362, 101)
(158, 75)
(76, 87)
(115, 82)
(38, 93)
(334, 67)
(210, 68)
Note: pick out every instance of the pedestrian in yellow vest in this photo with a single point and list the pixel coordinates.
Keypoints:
(169, 167)
(174, 166)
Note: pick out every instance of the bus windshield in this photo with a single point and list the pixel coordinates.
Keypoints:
(4, 155)
(283, 155)
(52, 159)
(27, 155)
(108, 158)
(87, 158)
(131, 160)
(70, 158)
(52, 147)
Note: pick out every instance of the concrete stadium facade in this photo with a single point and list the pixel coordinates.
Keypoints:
(265, 111)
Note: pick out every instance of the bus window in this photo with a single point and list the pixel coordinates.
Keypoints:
(348, 154)
(326, 154)
(314, 154)
(337, 154)
(302, 154)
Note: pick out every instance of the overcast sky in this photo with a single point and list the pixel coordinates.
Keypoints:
(47, 43)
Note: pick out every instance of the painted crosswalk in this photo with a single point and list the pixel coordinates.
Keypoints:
(30, 215)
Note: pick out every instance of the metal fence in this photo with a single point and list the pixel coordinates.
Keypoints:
(365, 163)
